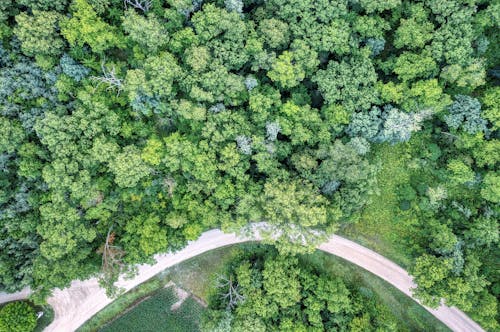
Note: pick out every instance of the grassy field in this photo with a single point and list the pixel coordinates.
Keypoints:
(383, 224)
(197, 273)
(154, 314)
(411, 316)
(194, 275)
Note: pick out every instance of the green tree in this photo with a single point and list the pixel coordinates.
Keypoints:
(430, 274)
(17, 317)
(285, 72)
(283, 293)
(296, 213)
(491, 187)
(468, 77)
(379, 6)
(57, 5)
(11, 135)
(281, 281)
(460, 172)
(410, 66)
(144, 236)
(86, 27)
(128, 167)
(291, 67)
(39, 35)
(350, 83)
(148, 32)
(415, 31)
(465, 112)
(275, 32)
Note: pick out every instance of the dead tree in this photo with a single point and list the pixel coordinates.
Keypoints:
(229, 291)
(109, 77)
(143, 5)
(111, 254)
(112, 264)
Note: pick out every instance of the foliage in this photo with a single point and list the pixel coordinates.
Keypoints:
(159, 120)
(349, 82)
(465, 112)
(17, 317)
(281, 293)
(73, 69)
(147, 32)
(295, 212)
(38, 34)
(85, 27)
(58, 5)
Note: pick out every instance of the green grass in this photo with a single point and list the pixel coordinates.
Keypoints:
(120, 304)
(383, 224)
(410, 315)
(193, 275)
(196, 274)
(154, 314)
(46, 319)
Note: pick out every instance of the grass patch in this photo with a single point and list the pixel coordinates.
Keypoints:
(46, 319)
(196, 274)
(410, 315)
(119, 305)
(154, 314)
(383, 224)
(193, 275)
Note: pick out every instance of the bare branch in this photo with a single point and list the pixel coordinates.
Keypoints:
(143, 5)
(109, 78)
(230, 291)
(111, 256)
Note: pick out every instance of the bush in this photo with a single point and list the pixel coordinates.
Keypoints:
(17, 317)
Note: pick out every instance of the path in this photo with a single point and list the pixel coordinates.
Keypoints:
(78, 303)
(8, 297)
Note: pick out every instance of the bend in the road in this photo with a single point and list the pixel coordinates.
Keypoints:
(83, 299)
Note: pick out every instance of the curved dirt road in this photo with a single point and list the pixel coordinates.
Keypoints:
(76, 304)
(8, 297)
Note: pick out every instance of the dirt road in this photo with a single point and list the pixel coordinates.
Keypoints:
(76, 304)
(7, 297)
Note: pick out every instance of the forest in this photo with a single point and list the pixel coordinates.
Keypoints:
(129, 127)
(269, 292)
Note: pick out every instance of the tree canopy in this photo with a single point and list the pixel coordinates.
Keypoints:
(150, 123)
(263, 290)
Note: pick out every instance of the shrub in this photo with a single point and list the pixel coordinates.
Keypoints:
(17, 317)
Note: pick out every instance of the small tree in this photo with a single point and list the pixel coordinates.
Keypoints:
(234, 6)
(465, 112)
(244, 144)
(272, 130)
(17, 317)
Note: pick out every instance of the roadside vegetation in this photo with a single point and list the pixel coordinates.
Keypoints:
(201, 275)
(155, 314)
(194, 275)
(261, 289)
(22, 316)
(129, 127)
